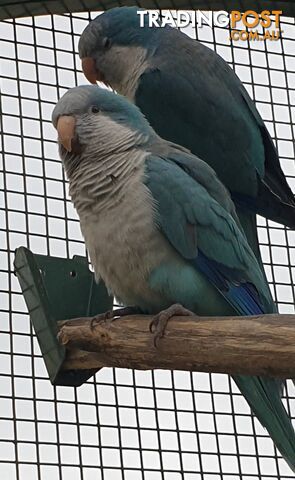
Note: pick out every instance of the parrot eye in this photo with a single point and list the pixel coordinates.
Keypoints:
(106, 42)
(94, 109)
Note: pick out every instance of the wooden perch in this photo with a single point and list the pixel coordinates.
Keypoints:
(256, 345)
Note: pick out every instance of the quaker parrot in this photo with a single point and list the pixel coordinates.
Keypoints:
(161, 229)
(192, 97)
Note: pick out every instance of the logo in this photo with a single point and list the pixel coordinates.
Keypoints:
(251, 20)
(248, 25)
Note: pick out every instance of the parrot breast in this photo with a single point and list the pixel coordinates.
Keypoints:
(122, 238)
(124, 75)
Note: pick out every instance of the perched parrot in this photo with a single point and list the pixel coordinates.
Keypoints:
(190, 96)
(161, 229)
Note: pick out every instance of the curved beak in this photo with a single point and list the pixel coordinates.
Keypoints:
(90, 71)
(66, 131)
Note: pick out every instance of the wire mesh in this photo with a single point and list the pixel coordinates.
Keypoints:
(122, 424)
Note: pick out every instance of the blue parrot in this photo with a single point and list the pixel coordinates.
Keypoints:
(192, 97)
(161, 229)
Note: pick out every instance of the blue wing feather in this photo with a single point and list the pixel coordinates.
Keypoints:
(244, 297)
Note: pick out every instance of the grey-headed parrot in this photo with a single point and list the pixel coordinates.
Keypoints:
(161, 229)
(192, 97)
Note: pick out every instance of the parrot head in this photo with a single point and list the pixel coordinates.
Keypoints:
(114, 44)
(91, 120)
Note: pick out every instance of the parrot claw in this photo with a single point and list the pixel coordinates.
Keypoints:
(106, 317)
(109, 316)
(159, 322)
(152, 325)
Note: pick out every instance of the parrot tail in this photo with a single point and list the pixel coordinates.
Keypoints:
(273, 207)
(263, 396)
(275, 198)
(267, 204)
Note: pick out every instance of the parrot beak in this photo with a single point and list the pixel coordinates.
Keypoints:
(90, 71)
(66, 131)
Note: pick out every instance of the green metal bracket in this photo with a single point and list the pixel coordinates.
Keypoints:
(58, 289)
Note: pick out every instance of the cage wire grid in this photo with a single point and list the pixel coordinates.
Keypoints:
(121, 424)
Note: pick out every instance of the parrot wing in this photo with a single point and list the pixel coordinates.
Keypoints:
(212, 115)
(203, 232)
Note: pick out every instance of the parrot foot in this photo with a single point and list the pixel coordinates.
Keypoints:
(109, 316)
(159, 322)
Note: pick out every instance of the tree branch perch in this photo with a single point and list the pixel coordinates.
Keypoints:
(256, 345)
